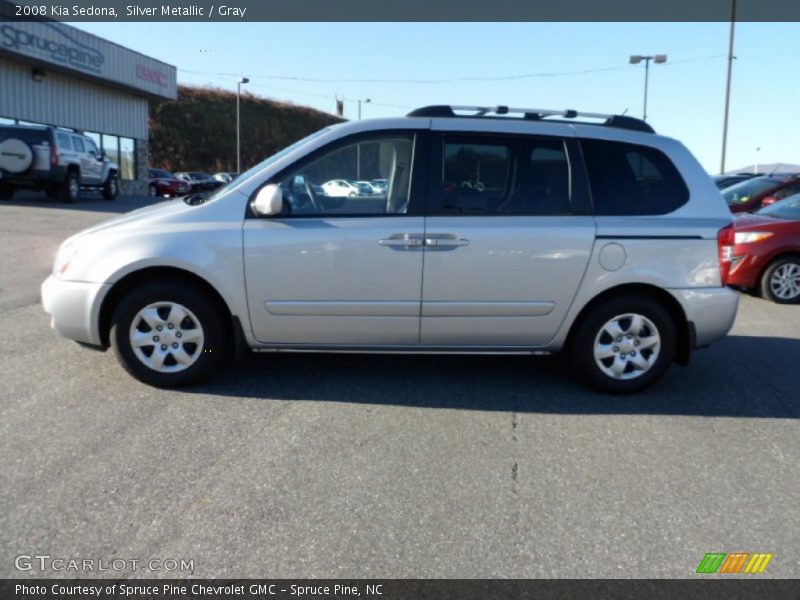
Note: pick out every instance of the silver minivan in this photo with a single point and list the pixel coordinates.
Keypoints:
(499, 230)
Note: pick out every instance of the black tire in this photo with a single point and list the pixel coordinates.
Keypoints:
(6, 192)
(190, 297)
(111, 187)
(766, 284)
(52, 190)
(582, 344)
(70, 188)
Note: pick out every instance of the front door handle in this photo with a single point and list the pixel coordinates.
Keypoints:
(402, 240)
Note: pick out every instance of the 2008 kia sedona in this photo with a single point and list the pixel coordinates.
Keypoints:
(498, 230)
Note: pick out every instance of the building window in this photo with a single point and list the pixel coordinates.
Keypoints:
(127, 164)
(111, 147)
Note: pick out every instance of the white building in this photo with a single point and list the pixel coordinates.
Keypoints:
(54, 74)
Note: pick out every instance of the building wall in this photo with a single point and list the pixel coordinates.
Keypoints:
(67, 102)
(62, 47)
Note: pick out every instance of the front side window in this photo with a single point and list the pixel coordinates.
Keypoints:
(504, 176)
(95, 137)
(91, 148)
(332, 182)
(628, 179)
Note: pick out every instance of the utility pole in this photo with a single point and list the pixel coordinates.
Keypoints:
(728, 87)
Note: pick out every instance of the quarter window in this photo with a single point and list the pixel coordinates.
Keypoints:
(339, 182)
(628, 179)
(77, 144)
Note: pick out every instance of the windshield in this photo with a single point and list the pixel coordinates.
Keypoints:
(742, 192)
(203, 198)
(788, 208)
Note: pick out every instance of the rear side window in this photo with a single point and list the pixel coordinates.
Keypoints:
(503, 176)
(628, 179)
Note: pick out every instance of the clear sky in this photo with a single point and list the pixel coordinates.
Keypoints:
(686, 98)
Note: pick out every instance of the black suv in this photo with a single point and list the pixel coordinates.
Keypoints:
(56, 161)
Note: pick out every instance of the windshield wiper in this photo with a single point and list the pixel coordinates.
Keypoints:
(195, 199)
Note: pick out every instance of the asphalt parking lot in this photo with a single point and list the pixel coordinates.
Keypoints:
(387, 466)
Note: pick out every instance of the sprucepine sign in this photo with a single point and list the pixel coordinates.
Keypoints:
(60, 48)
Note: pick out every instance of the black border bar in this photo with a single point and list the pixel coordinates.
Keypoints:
(411, 10)
(705, 587)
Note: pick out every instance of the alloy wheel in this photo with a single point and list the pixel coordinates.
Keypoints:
(785, 281)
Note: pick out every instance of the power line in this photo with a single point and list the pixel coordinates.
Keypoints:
(299, 92)
(446, 80)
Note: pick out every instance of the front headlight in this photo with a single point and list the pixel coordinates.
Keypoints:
(65, 254)
(751, 237)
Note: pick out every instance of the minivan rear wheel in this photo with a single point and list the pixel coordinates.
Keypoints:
(167, 334)
(624, 345)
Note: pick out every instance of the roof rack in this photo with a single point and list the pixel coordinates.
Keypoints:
(532, 114)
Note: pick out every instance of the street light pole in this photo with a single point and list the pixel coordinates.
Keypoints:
(238, 123)
(365, 101)
(728, 87)
(635, 60)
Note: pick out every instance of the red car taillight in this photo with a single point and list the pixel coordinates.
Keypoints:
(53, 156)
(725, 243)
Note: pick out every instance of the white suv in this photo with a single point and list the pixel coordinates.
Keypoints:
(57, 161)
(500, 230)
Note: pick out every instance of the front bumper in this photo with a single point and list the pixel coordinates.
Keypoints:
(712, 311)
(75, 308)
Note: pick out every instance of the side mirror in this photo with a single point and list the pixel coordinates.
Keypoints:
(268, 201)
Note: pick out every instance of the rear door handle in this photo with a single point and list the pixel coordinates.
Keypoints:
(444, 240)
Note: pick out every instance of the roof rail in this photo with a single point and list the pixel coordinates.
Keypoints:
(535, 114)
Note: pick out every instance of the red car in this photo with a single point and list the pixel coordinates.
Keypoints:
(164, 183)
(766, 255)
(753, 194)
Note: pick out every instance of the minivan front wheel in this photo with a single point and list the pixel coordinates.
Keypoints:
(167, 335)
(625, 344)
